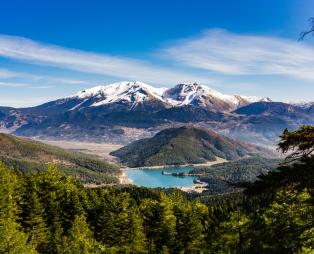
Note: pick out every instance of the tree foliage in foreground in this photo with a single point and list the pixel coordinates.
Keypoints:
(51, 213)
(309, 31)
(299, 143)
(48, 212)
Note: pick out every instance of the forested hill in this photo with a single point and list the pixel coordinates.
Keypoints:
(184, 145)
(239, 171)
(28, 155)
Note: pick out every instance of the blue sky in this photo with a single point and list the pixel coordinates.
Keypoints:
(52, 49)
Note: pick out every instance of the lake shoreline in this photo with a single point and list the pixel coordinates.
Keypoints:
(124, 179)
(138, 177)
(206, 164)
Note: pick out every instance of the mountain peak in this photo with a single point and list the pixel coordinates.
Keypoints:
(203, 96)
(132, 94)
(183, 94)
(116, 88)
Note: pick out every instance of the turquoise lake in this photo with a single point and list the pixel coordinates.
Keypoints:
(153, 178)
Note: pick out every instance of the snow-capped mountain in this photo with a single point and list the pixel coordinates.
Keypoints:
(118, 96)
(126, 111)
(205, 97)
(126, 92)
(138, 94)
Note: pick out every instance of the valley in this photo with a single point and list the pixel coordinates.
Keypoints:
(185, 142)
(135, 125)
(29, 156)
(194, 151)
(102, 150)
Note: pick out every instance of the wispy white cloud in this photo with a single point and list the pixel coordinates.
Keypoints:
(67, 81)
(23, 49)
(24, 102)
(26, 85)
(8, 74)
(227, 53)
(4, 74)
(217, 54)
(41, 87)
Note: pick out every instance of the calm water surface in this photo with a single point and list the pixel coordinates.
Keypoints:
(153, 178)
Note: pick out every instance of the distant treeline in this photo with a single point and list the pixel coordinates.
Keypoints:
(226, 177)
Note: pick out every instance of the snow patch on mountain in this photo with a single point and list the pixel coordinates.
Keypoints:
(138, 92)
(302, 104)
(186, 94)
(252, 99)
(131, 92)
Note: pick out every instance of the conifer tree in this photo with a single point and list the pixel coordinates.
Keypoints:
(33, 221)
(289, 222)
(50, 184)
(159, 224)
(233, 236)
(79, 239)
(119, 224)
(13, 239)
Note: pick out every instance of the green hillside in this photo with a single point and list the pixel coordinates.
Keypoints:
(184, 145)
(225, 177)
(28, 156)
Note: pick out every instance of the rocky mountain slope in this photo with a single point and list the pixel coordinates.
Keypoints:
(126, 111)
(204, 97)
(134, 96)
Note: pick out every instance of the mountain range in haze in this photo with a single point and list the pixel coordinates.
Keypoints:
(126, 111)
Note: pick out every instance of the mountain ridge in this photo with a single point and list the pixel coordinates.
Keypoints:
(180, 95)
(125, 111)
